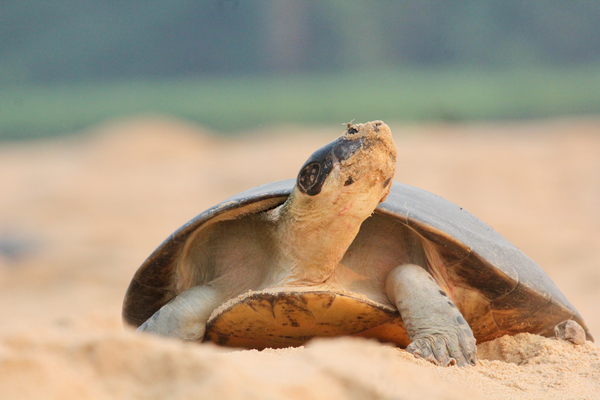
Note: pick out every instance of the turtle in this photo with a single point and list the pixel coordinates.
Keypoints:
(343, 251)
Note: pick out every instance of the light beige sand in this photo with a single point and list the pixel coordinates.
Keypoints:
(80, 214)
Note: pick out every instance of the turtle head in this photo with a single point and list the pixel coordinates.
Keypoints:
(354, 172)
(337, 188)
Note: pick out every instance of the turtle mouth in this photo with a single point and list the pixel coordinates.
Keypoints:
(319, 165)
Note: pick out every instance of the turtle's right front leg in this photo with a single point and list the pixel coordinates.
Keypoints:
(437, 330)
(186, 315)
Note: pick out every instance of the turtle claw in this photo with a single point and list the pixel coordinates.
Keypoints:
(444, 350)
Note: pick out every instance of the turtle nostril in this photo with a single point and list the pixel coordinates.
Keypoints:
(351, 130)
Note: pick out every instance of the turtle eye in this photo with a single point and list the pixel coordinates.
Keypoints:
(349, 181)
(307, 178)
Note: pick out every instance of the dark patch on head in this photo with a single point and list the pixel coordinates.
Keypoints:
(349, 181)
(308, 176)
(316, 169)
(347, 148)
(376, 126)
(443, 293)
(387, 182)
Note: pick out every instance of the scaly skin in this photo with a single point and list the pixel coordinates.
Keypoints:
(436, 328)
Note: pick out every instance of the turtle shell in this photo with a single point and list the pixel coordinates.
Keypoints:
(497, 288)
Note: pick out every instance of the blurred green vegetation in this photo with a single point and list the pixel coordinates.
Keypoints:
(236, 64)
(232, 104)
(74, 40)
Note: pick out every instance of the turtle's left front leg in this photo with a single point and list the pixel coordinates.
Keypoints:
(437, 330)
(186, 315)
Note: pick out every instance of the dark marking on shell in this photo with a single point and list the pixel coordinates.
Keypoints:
(451, 304)
(349, 181)
(222, 340)
(443, 293)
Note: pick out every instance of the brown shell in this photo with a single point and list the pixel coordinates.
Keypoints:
(498, 289)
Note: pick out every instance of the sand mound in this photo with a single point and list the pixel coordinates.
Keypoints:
(72, 362)
(527, 349)
(76, 362)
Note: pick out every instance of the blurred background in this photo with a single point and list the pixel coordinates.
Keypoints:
(234, 65)
(121, 120)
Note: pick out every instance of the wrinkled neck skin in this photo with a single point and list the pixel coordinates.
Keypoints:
(314, 228)
(315, 232)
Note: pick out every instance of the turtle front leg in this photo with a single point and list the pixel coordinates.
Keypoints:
(186, 315)
(437, 330)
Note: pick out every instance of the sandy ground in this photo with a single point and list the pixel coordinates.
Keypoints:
(78, 215)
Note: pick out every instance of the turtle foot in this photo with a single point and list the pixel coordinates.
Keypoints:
(444, 350)
(185, 316)
(437, 330)
(166, 322)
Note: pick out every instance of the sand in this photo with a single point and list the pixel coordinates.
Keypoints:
(79, 214)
